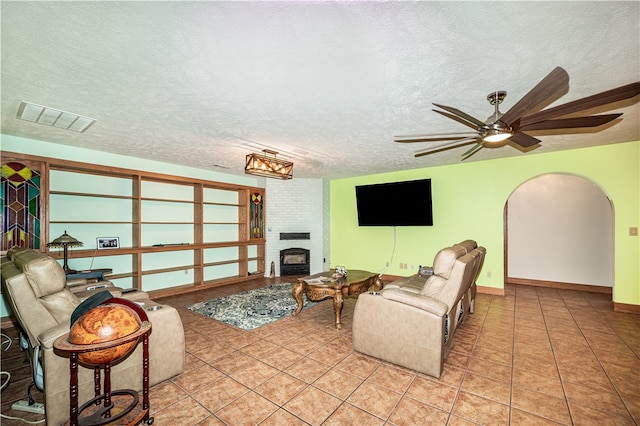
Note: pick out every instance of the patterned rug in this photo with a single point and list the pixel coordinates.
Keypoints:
(254, 308)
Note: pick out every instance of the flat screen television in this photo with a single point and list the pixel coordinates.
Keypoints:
(406, 203)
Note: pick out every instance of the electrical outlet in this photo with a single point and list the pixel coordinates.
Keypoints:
(633, 231)
(387, 264)
(36, 407)
(489, 274)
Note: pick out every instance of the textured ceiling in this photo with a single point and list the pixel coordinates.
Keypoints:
(328, 84)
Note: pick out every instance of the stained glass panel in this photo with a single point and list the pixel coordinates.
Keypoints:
(20, 206)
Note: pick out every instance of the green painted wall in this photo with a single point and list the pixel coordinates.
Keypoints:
(469, 201)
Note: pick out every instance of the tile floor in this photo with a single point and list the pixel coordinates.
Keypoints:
(536, 356)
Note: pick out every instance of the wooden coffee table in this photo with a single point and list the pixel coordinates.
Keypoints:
(321, 286)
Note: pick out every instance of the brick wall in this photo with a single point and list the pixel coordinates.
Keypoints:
(297, 205)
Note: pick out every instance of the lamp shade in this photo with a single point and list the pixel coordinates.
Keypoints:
(268, 166)
(65, 240)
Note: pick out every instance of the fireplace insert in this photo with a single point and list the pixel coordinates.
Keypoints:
(294, 261)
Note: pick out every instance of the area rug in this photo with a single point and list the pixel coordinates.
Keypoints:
(252, 309)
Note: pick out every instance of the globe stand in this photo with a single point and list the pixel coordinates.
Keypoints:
(96, 412)
(116, 407)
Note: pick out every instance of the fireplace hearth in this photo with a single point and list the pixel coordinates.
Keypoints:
(294, 261)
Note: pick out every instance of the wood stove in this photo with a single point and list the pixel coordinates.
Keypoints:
(294, 261)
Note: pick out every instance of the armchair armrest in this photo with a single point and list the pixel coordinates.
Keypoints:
(47, 337)
(78, 285)
(419, 301)
(72, 282)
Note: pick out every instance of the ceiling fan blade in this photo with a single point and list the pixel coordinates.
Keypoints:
(614, 95)
(456, 118)
(546, 88)
(460, 114)
(571, 123)
(473, 151)
(446, 146)
(524, 140)
(433, 137)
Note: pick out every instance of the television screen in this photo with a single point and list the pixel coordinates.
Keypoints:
(405, 203)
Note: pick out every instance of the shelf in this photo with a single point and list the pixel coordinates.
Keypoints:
(86, 194)
(144, 208)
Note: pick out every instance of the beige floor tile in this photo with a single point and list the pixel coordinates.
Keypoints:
(490, 354)
(480, 410)
(185, 412)
(359, 365)
(374, 399)
(281, 358)
(488, 388)
(280, 388)
(313, 405)
(457, 359)
(211, 421)
(199, 378)
(392, 378)
(549, 385)
(307, 370)
(578, 395)
(492, 370)
(223, 393)
(349, 415)
(523, 418)
(237, 413)
(283, 418)
(459, 421)
(451, 376)
(410, 412)
(539, 404)
(338, 383)
(585, 415)
(433, 393)
(163, 395)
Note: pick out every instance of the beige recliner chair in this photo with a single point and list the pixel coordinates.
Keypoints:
(412, 324)
(34, 286)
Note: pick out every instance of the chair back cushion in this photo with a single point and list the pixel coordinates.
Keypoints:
(445, 259)
(45, 275)
(453, 274)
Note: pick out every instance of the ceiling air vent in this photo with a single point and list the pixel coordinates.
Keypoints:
(54, 117)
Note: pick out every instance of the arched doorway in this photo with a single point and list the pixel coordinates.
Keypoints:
(559, 233)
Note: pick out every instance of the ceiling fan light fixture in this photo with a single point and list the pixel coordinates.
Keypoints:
(495, 132)
(268, 165)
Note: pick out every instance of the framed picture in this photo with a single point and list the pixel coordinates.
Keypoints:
(108, 243)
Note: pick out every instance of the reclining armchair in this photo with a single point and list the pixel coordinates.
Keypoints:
(412, 321)
(35, 288)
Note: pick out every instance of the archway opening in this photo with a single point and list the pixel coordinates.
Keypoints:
(559, 233)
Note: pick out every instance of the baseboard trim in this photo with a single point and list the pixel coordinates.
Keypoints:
(490, 290)
(626, 308)
(561, 285)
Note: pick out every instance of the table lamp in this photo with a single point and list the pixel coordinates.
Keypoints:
(65, 241)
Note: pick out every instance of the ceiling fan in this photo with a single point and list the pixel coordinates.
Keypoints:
(513, 124)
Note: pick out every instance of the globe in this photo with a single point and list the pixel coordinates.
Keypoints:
(102, 324)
